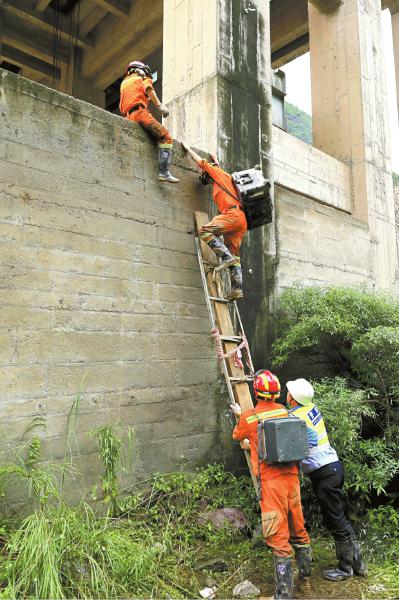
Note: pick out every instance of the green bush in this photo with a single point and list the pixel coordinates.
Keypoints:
(356, 332)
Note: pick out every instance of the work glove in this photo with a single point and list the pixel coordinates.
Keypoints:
(164, 110)
(236, 408)
(245, 445)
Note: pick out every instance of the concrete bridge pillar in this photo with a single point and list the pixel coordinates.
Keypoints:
(350, 116)
(217, 84)
(395, 37)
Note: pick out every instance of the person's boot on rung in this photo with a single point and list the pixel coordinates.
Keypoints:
(345, 555)
(164, 158)
(221, 251)
(303, 556)
(283, 578)
(236, 281)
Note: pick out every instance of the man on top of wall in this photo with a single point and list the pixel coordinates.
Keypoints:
(135, 94)
(231, 222)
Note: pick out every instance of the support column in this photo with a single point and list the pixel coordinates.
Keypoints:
(350, 120)
(217, 85)
(395, 38)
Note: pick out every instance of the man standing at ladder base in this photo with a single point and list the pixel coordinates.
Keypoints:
(231, 222)
(282, 518)
(136, 92)
(327, 476)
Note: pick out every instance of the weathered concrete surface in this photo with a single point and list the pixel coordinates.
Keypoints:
(217, 83)
(100, 288)
(350, 119)
(395, 39)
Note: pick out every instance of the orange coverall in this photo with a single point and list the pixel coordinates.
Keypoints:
(134, 93)
(282, 518)
(231, 222)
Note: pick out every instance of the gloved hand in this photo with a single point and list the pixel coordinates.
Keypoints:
(245, 445)
(214, 159)
(236, 408)
(164, 110)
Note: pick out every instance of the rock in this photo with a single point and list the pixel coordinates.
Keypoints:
(246, 589)
(208, 592)
(213, 564)
(232, 518)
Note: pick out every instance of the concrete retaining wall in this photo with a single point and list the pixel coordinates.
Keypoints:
(100, 288)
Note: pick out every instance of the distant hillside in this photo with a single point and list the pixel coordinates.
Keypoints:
(299, 123)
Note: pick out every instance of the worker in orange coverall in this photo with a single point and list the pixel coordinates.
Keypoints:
(136, 92)
(231, 222)
(282, 518)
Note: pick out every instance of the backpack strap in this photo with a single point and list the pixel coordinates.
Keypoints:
(238, 197)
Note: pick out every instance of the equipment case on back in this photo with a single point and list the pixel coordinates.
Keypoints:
(282, 440)
(254, 192)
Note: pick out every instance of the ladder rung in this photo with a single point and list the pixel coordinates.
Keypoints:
(231, 338)
(215, 299)
(241, 379)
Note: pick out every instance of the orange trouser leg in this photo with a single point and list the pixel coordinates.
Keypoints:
(282, 518)
(296, 523)
(154, 127)
(232, 225)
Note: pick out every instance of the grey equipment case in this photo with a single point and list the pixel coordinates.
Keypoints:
(254, 192)
(282, 440)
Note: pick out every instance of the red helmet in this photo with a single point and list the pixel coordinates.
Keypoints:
(139, 67)
(266, 385)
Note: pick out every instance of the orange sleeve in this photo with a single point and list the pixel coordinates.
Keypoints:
(214, 172)
(241, 430)
(147, 84)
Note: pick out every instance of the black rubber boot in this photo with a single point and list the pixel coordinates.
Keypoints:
(236, 282)
(303, 555)
(222, 251)
(344, 570)
(283, 578)
(359, 566)
(164, 159)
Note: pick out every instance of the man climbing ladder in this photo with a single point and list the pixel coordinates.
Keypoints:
(231, 222)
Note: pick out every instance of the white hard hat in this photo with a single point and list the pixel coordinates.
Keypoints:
(301, 390)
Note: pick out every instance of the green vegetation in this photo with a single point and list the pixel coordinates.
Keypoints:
(354, 335)
(299, 123)
(152, 540)
(395, 178)
(158, 546)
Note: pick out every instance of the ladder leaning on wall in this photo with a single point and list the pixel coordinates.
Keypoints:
(227, 330)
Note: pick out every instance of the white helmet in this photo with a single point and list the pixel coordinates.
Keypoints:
(301, 390)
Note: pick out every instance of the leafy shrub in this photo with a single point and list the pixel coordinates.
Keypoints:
(327, 321)
(357, 333)
(369, 464)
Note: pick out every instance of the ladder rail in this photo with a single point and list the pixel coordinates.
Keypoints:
(228, 379)
(212, 316)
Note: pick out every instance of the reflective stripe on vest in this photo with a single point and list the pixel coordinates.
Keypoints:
(268, 414)
(314, 420)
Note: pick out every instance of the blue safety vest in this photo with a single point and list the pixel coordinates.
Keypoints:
(320, 451)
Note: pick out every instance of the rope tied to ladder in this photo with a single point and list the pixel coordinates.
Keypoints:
(235, 352)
